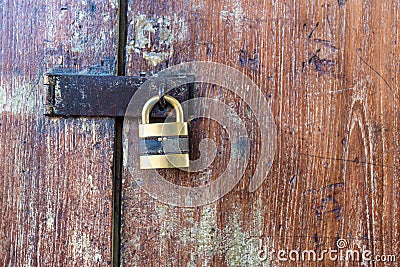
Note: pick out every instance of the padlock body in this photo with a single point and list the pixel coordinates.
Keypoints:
(163, 129)
(164, 161)
(164, 145)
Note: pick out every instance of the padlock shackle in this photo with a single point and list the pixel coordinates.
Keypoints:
(149, 105)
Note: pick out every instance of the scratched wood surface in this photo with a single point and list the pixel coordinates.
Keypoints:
(56, 173)
(330, 69)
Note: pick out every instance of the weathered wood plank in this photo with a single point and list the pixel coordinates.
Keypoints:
(56, 173)
(331, 71)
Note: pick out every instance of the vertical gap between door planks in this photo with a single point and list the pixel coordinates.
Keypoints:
(118, 126)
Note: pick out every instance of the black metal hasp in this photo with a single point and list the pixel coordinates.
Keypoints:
(102, 95)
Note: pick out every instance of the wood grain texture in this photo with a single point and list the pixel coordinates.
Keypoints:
(56, 173)
(330, 69)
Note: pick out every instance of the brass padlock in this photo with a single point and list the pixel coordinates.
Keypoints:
(163, 145)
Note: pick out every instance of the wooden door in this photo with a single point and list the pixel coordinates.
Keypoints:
(329, 70)
(56, 173)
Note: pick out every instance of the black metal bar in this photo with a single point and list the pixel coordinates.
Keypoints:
(102, 95)
(89, 95)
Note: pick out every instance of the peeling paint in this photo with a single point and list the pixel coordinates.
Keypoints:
(82, 41)
(3, 99)
(205, 236)
(236, 14)
(240, 247)
(79, 38)
(143, 29)
(113, 3)
(180, 24)
(155, 58)
(153, 37)
(207, 233)
(21, 98)
(82, 246)
(50, 219)
(90, 180)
